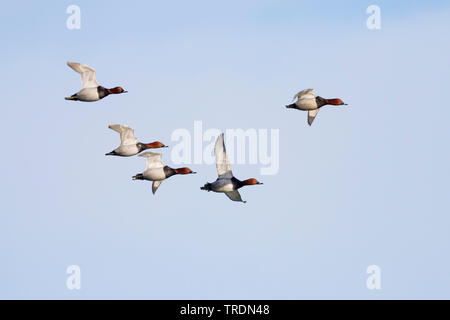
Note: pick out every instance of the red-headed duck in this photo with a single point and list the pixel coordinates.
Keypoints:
(226, 182)
(129, 146)
(308, 101)
(90, 89)
(157, 171)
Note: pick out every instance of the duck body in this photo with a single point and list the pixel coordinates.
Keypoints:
(157, 174)
(157, 171)
(309, 104)
(221, 185)
(226, 182)
(129, 146)
(127, 150)
(90, 94)
(90, 89)
(307, 100)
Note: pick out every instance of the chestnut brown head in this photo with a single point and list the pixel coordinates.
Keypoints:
(155, 145)
(183, 171)
(116, 90)
(250, 182)
(335, 102)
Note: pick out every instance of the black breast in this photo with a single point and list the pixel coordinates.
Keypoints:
(236, 183)
(102, 92)
(320, 101)
(168, 171)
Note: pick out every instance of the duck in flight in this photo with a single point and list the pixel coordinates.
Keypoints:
(129, 146)
(157, 171)
(90, 89)
(226, 182)
(308, 101)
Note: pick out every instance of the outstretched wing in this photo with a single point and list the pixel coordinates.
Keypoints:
(155, 186)
(222, 162)
(126, 134)
(87, 74)
(154, 160)
(312, 115)
(303, 93)
(235, 196)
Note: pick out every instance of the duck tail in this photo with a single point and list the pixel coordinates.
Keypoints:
(72, 97)
(206, 187)
(138, 176)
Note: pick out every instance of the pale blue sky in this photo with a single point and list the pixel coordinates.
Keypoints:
(366, 184)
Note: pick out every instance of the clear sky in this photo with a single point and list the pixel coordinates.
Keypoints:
(367, 184)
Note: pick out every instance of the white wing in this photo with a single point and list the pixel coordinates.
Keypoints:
(304, 93)
(87, 74)
(235, 196)
(155, 186)
(312, 115)
(222, 162)
(154, 160)
(126, 134)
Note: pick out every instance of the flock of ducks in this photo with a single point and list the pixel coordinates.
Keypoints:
(156, 170)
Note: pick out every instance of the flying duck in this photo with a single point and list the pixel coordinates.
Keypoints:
(129, 146)
(157, 171)
(226, 182)
(308, 101)
(90, 89)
